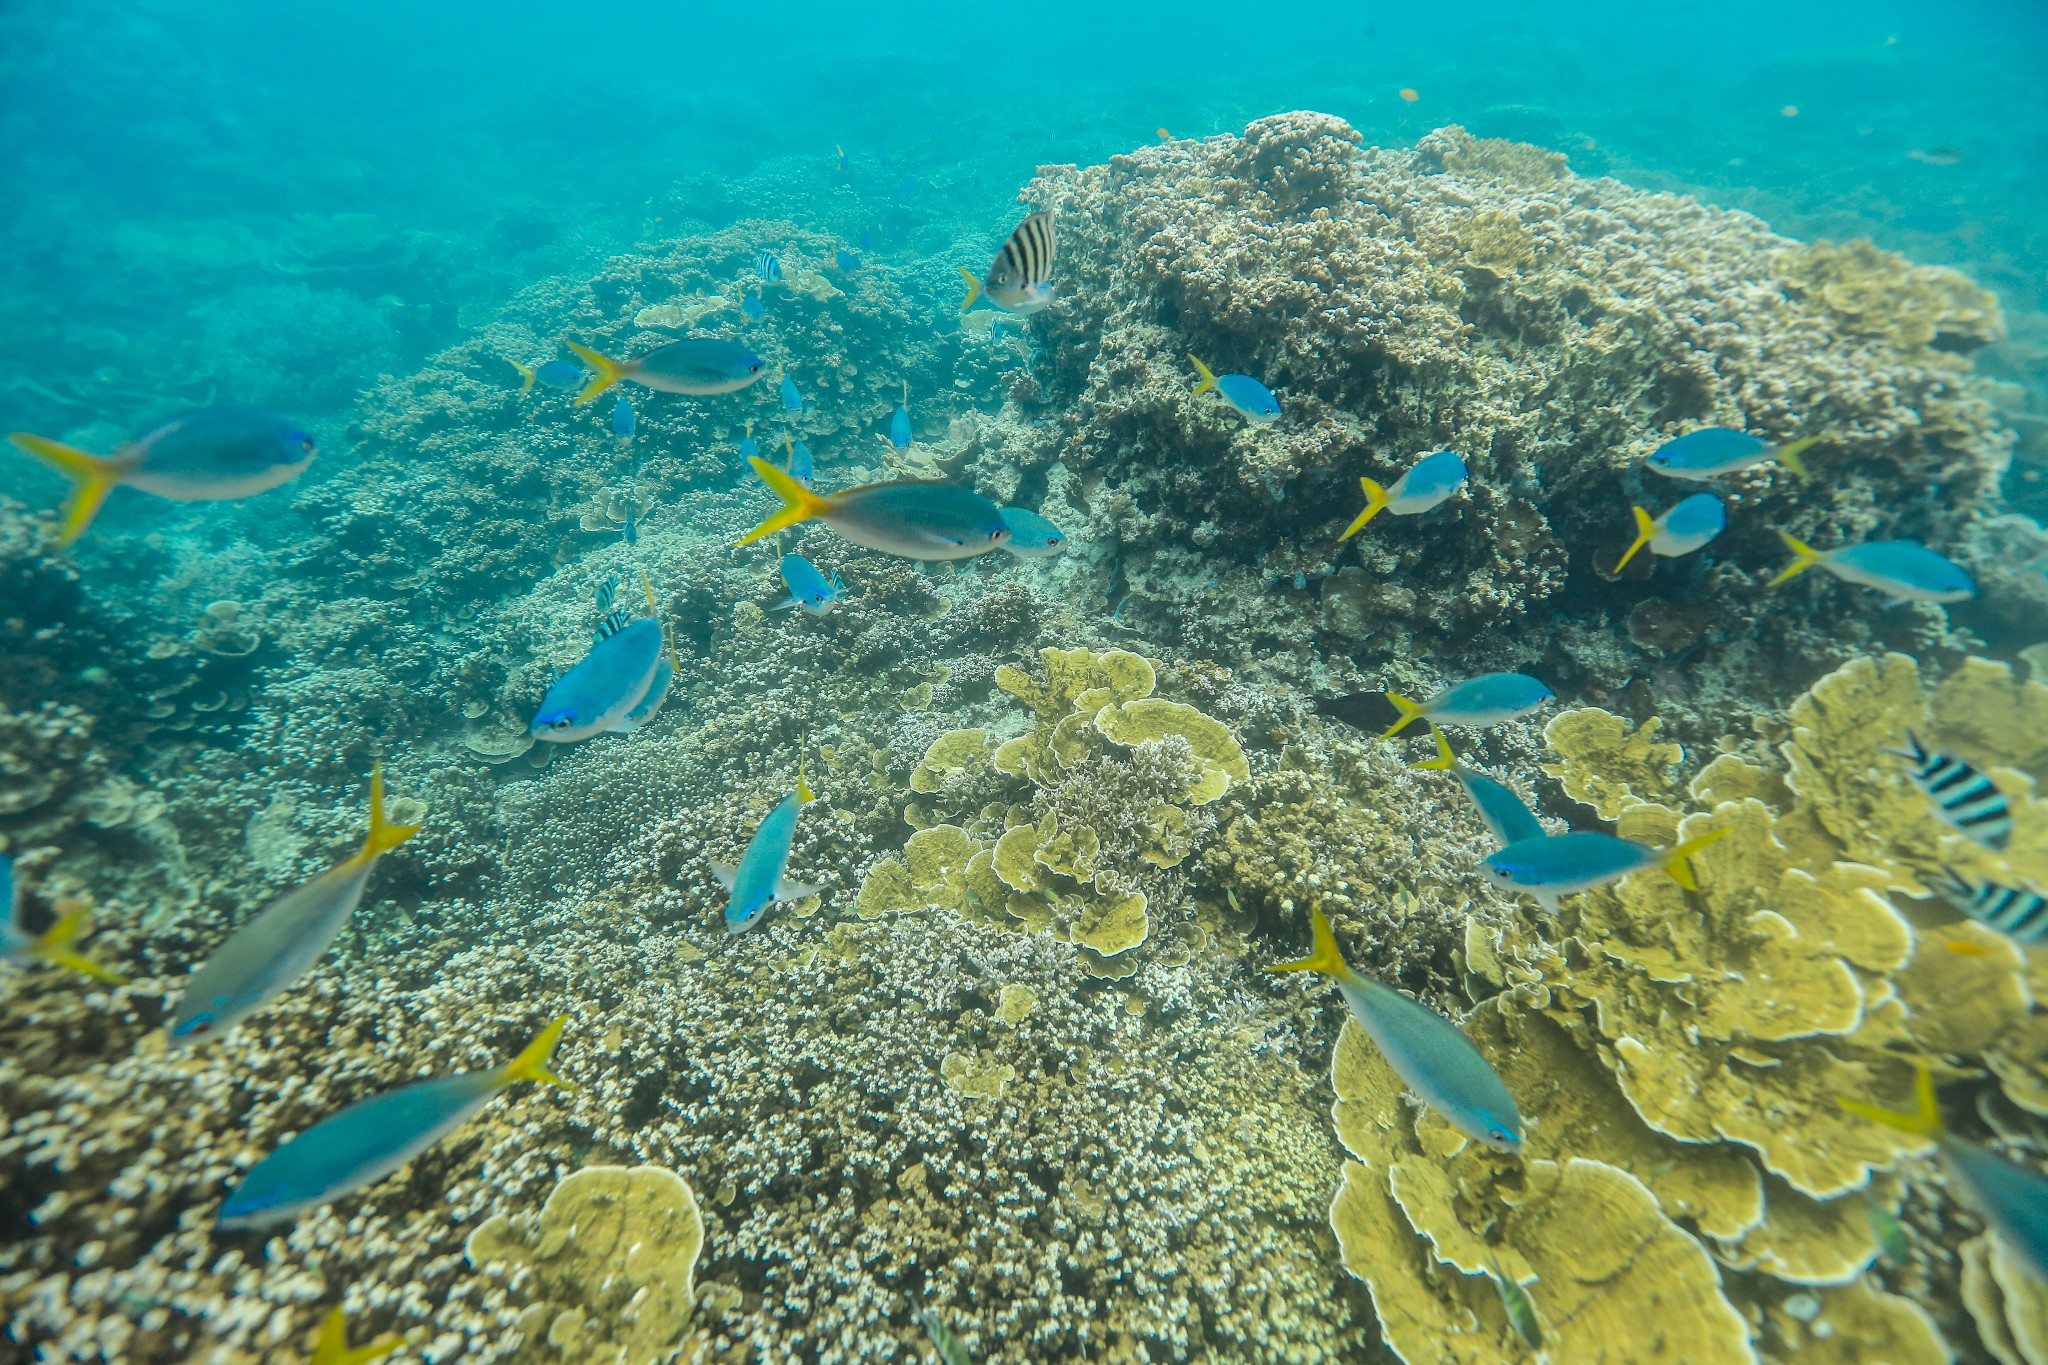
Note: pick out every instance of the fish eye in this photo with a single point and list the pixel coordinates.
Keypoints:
(999, 534)
(559, 723)
(306, 445)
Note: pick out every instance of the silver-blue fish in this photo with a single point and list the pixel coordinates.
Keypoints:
(1488, 699)
(1031, 535)
(1680, 530)
(1903, 570)
(604, 686)
(1713, 451)
(1428, 483)
(758, 880)
(1553, 866)
(808, 588)
(1505, 817)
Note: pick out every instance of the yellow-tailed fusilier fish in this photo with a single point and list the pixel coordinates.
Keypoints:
(757, 881)
(1431, 1054)
(1507, 819)
(333, 1347)
(1254, 402)
(2011, 1197)
(1903, 570)
(698, 366)
(54, 944)
(1018, 282)
(1714, 451)
(605, 688)
(1429, 482)
(266, 955)
(1515, 1299)
(1680, 530)
(206, 456)
(908, 517)
(374, 1137)
(1485, 700)
(1558, 865)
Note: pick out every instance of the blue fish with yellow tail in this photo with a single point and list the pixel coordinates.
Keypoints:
(699, 366)
(2011, 1197)
(622, 418)
(1680, 530)
(2020, 915)
(797, 462)
(374, 1137)
(899, 422)
(604, 687)
(808, 588)
(1553, 866)
(212, 455)
(1488, 699)
(1964, 799)
(333, 1347)
(907, 517)
(1903, 570)
(1428, 483)
(1031, 535)
(556, 374)
(264, 957)
(1431, 1054)
(1506, 818)
(748, 450)
(1713, 451)
(54, 944)
(759, 880)
(1253, 400)
(792, 401)
(1514, 1300)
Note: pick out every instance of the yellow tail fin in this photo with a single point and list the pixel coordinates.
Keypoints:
(1411, 711)
(1804, 558)
(526, 377)
(1678, 861)
(1375, 499)
(532, 1062)
(803, 788)
(1323, 956)
(54, 947)
(333, 1348)
(799, 504)
(1646, 530)
(1208, 381)
(609, 372)
(1788, 454)
(1445, 760)
(91, 476)
(1924, 1120)
(973, 289)
(383, 836)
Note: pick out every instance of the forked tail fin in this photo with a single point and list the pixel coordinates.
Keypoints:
(609, 372)
(1923, 1120)
(1323, 956)
(92, 478)
(1646, 530)
(799, 504)
(1804, 558)
(1411, 711)
(1678, 861)
(384, 836)
(532, 1062)
(1375, 500)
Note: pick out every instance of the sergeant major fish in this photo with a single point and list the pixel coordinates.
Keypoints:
(1019, 280)
(758, 880)
(1714, 451)
(1964, 799)
(1487, 699)
(2019, 915)
(908, 517)
(1505, 817)
(604, 687)
(1432, 1055)
(262, 959)
(1686, 527)
(370, 1139)
(54, 944)
(1553, 866)
(1253, 400)
(808, 588)
(1427, 483)
(1903, 570)
(767, 267)
(211, 455)
(699, 366)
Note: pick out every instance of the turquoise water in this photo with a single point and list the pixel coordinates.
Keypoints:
(1041, 770)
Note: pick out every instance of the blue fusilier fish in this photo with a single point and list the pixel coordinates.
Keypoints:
(1429, 481)
(748, 450)
(899, 422)
(1506, 818)
(796, 461)
(1553, 866)
(211, 455)
(604, 687)
(556, 374)
(1020, 280)
(1032, 536)
(1487, 699)
(54, 944)
(1903, 570)
(846, 261)
(1431, 1054)
(699, 367)
(1251, 398)
(907, 517)
(767, 267)
(1964, 799)
(2019, 915)
(759, 880)
(808, 588)
(1680, 531)
(2011, 1197)
(622, 419)
(752, 306)
(792, 401)
(262, 959)
(1714, 451)
(374, 1137)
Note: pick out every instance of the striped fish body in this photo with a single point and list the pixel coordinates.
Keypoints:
(1018, 282)
(2019, 915)
(1964, 799)
(767, 267)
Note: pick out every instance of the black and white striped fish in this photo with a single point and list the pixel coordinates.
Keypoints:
(1963, 798)
(1018, 281)
(767, 267)
(2021, 915)
(608, 592)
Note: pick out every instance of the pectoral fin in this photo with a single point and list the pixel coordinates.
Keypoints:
(726, 873)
